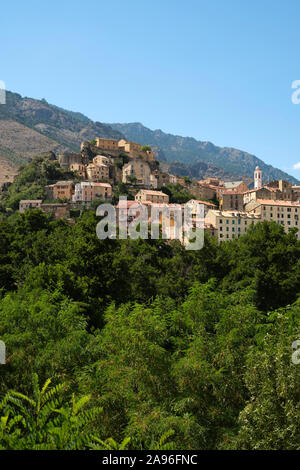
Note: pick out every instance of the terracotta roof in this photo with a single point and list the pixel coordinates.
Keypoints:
(153, 193)
(232, 184)
(278, 203)
(227, 191)
(91, 183)
(234, 213)
(103, 185)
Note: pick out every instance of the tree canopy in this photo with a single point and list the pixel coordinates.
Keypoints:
(147, 345)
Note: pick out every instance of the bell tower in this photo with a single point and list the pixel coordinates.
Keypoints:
(257, 178)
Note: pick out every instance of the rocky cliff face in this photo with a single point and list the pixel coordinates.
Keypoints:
(29, 127)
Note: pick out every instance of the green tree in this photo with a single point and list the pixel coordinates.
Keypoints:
(270, 418)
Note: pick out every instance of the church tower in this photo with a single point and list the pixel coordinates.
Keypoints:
(257, 178)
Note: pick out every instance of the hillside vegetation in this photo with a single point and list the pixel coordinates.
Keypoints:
(29, 127)
(30, 183)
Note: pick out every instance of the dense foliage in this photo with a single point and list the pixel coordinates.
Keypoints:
(32, 179)
(162, 347)
(177, 193)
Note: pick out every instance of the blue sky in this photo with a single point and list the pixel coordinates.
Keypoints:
(217, 70)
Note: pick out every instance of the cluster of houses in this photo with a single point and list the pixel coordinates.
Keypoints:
(104, 163)
(240, 206)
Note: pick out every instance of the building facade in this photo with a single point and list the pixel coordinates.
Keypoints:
(231, 200)
(285, 213)
(60, 190)
(138, 169)
(29, 204)
(152, 196)
(227, 225)
(86, 192)
(79, 168)
(97, 172)
(107, 144)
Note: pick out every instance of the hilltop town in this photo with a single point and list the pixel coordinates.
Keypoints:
(108, 168)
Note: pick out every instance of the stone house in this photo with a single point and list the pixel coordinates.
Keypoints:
(86, 192)
(261, 193)
(138, 169)
(29, 204)
(107, 144)
(231, 200)
(285, 213)
(135, 150)
(97, 172)
(239, 186)
(79, 168)
(60, 190)
(152, 196)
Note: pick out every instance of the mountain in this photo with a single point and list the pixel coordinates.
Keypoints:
(201, 170)
(187, 152)
(29, 127)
